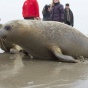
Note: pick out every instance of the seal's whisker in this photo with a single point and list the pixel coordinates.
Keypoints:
(3, 43)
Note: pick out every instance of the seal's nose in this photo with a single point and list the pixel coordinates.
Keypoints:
(3, 33)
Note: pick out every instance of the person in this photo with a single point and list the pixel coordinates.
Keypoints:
(57, 11)
(68, 16)
(46, 12)
(30, 10)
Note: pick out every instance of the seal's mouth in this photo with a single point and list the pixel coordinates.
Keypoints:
(2, 43)
(4, 37)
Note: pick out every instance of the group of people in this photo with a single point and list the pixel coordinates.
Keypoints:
(52, 12)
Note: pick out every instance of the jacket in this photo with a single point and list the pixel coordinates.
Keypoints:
(30, 9)
(71, 17)
(57, 13)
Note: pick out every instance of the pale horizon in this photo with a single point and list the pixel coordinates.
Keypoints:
(12, 10)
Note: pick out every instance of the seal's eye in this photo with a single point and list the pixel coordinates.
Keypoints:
(7, 27)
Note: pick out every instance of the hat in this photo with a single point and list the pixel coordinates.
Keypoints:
(67, 4)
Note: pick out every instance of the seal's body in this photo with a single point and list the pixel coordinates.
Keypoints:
(46, 40)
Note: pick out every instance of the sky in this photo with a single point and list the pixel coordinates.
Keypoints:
(12, 9)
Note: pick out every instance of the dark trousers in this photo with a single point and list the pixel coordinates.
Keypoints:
(67, 22)
(32, 18)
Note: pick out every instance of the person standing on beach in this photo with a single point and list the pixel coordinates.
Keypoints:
(57, 11)
(46, 12)
(69, 18)
(30, 10)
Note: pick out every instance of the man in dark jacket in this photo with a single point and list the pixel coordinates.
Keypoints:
(68, 16)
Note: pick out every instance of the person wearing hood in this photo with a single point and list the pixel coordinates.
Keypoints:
(30, 10)
(69, 18)
(46, 12)
(57, 11)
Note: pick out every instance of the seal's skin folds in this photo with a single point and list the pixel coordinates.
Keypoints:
(46, 39)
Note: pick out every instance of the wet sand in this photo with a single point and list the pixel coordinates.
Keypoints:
(19, 71)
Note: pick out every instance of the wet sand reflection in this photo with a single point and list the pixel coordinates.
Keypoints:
(18, 71)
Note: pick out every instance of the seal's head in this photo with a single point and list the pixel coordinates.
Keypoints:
(12, 31)
(4, 29)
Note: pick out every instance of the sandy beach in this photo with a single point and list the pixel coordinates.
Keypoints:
(19, 71)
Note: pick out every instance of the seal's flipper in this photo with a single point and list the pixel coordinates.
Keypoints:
(63, 58)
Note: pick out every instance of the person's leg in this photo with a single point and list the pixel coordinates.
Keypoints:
(67, 22)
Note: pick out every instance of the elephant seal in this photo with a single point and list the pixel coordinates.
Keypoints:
(10, 47)
(47, 39)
